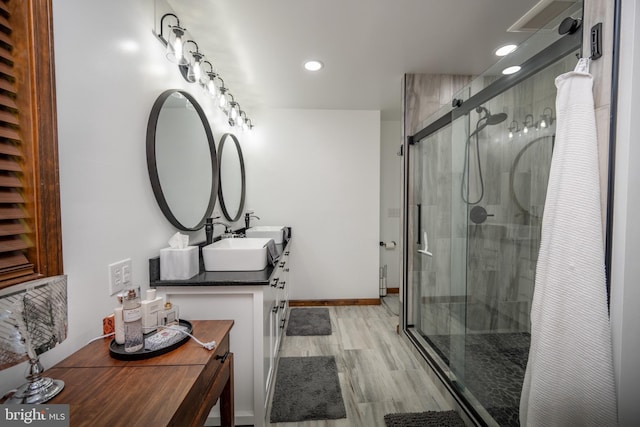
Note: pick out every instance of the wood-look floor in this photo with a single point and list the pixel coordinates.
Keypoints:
(378, 372)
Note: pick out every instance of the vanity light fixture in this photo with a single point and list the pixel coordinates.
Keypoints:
(513, 127)
(528, 122)
(546, 119)
(193, 72)
(223, 101)
(174, 41)
(505, 50)
(241, 118)
(233, 109)
(243, 121)
(208, 81)
(313, 65)
(511, 70)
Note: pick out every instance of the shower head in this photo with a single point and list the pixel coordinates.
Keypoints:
(491, 119)
(487, 120)
(494, 119)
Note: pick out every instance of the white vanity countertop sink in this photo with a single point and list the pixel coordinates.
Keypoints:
(275, 232)
(245, 254)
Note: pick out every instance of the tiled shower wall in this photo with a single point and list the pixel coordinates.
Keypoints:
(425, 94)
(503, 250)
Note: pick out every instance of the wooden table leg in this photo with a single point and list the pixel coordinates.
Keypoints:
(227, 407)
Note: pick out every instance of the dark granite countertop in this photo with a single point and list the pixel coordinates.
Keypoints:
(214, 278)
(220, 278)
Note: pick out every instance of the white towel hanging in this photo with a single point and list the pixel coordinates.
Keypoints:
(583, 65)
(569, 379)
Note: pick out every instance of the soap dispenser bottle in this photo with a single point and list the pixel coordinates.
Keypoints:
(119, 321)
(132, 316)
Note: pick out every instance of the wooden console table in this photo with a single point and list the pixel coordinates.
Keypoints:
(178, 388)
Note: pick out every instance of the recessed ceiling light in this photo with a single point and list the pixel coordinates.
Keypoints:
(506, 50)
(313, 65)
(511, 70)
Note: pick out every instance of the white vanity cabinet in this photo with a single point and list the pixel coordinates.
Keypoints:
(277, 302)
(282, 297)
(257, 302)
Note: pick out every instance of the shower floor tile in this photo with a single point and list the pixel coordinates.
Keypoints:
(493, 369)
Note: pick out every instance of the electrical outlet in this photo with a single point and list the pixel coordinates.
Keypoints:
(119, 276)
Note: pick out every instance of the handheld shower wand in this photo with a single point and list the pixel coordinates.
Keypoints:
(487, 119)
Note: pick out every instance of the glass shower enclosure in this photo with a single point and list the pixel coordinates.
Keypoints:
(476, 185)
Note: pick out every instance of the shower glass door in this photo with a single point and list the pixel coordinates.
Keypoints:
(478, 187)
(439, 243)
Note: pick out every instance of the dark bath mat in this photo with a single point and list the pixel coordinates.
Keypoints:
(309, 321)
(307, 388)
(424, 419)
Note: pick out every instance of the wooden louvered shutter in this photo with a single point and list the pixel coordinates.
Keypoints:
(14, 232)
(30, 231)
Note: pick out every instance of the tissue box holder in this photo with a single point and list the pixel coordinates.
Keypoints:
(178, 264)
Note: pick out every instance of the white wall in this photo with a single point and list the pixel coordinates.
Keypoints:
(109, 71)
(110, 68)
(625, 269)
(318, 171)
(390, 199)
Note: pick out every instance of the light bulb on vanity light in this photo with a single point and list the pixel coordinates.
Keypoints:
(175, 51)
(197, 71)
(211, 87)
(209, 80)
(513, 127)
(194, 70)
(240, 120)
(546, 119)
(528, 122)
(174, 43)
(194, 73)
(247, 125)
(222, 100)
(233, 112)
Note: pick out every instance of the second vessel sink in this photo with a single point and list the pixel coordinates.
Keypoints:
(275, 232)
(243, 254)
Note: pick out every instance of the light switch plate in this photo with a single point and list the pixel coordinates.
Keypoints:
(119, 276)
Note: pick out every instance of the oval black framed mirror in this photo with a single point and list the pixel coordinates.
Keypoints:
(232, 180)
(182, 160)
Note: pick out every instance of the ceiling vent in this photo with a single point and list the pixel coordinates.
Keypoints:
(541, 15)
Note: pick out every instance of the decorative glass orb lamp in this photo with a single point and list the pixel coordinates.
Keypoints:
(33, 320)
